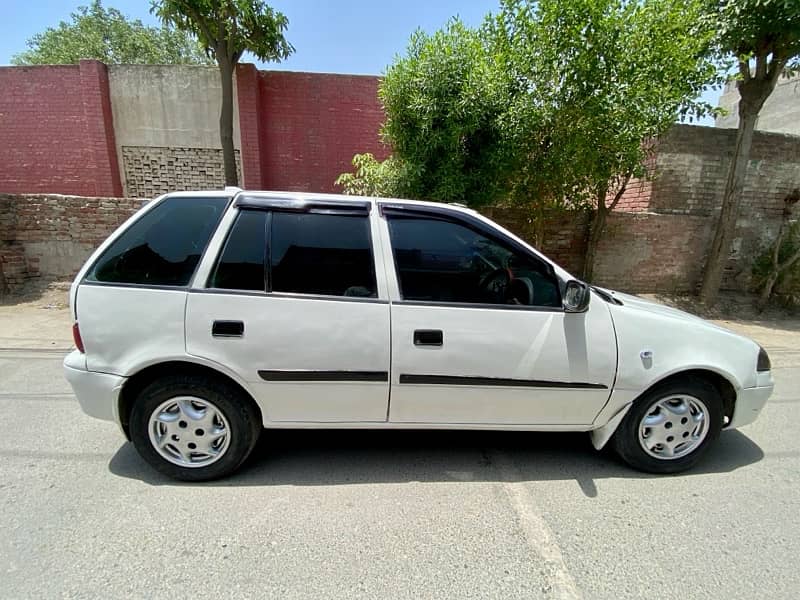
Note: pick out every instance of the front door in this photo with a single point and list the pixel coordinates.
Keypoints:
(479, 335)
(292, 306)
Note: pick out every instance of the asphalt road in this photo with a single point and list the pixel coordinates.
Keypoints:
(392, 515)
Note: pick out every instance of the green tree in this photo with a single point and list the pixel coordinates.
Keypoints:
(550, 104)
(227, 29)
(605, 79)
(107, 35)
(442, 102)
(763, 36)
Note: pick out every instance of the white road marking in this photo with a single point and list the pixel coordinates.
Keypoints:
(538, 535)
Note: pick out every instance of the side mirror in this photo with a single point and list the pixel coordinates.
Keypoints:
(576, 296)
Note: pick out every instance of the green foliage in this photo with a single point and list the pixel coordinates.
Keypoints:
(229, 28)
(374, 178)
(749, 28)
(548, 103)
(443, 102)
(604, 76)
(787, 285)
(107, 35)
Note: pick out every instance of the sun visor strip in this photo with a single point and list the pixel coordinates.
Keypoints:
(299, 205)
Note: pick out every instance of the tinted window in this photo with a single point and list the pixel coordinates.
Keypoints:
(321, 254)
(443, 261)
(164, 246)
(241, 265)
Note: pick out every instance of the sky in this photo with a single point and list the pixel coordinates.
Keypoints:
(329, 36)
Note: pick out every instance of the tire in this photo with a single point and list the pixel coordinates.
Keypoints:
(194, 409)
(666, 406)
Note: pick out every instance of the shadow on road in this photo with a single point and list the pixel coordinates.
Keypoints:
(335, 457)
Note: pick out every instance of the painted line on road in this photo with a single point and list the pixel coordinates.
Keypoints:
(34, 396)
(539, 536)
(33, 353)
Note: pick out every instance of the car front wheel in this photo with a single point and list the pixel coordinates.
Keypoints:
(669, 428)
(194, 428)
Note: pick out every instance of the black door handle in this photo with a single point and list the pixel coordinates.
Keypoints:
(428, 337)
(227, 329)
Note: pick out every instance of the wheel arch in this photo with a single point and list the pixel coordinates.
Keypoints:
(135, 383)
(722, 383)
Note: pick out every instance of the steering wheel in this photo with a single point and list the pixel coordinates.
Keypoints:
(496, 282)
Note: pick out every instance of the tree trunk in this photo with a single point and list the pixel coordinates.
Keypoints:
(766, 292)
(595, 233)
(753, 92)
(226, 120)
(731, 201)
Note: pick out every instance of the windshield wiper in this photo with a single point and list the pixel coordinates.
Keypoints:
(606, 296)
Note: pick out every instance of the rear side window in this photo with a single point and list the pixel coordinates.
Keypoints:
(164, 246)
(242, 263)
(321, 254)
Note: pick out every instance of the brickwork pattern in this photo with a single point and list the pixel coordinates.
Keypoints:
(55, 125)
(565, 237)
(151, 171)
(53, 235)
(312, 124)
(250, 109)
(649, 252)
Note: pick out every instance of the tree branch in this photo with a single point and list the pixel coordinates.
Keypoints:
(200, 23)
(744, 69)
(793, 259)
(761, 65)
(619, 193)
(776, 67)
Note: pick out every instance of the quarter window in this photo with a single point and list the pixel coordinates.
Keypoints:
(443, 261)
(164, 246)
(242, 263)
(321, 254)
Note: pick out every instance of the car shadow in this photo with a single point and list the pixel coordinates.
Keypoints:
(338, 457)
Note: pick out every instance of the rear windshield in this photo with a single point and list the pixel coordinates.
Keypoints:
(164, 246)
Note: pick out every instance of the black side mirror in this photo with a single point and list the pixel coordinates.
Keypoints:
(576, 296)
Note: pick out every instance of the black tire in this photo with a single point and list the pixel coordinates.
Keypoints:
(243, 418)
(626, 438)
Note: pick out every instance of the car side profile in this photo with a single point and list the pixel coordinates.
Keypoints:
(209, 316)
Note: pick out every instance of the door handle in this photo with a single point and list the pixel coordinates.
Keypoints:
(428, 337)
(227, 329)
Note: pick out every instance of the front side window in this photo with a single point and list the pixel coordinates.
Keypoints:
(444, 261)
(324, 254)
(164, 246)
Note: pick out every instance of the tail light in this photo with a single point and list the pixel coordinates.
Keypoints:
(763, 361)
(76, 337)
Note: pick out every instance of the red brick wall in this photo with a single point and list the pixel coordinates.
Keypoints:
(56, 131)
(311, 125)
(250, 109)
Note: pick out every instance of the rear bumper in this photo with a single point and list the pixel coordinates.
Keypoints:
(749, 403)
(97, 393)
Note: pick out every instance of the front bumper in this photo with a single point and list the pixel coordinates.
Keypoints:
(749, 403)
(97, 393)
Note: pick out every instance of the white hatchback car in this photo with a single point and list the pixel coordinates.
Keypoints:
(208, 316)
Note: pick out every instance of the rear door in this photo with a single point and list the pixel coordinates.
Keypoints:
(293, 305)
(479, 335)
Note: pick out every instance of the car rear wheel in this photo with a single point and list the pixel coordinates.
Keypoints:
(194, 428)
(669, 428)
